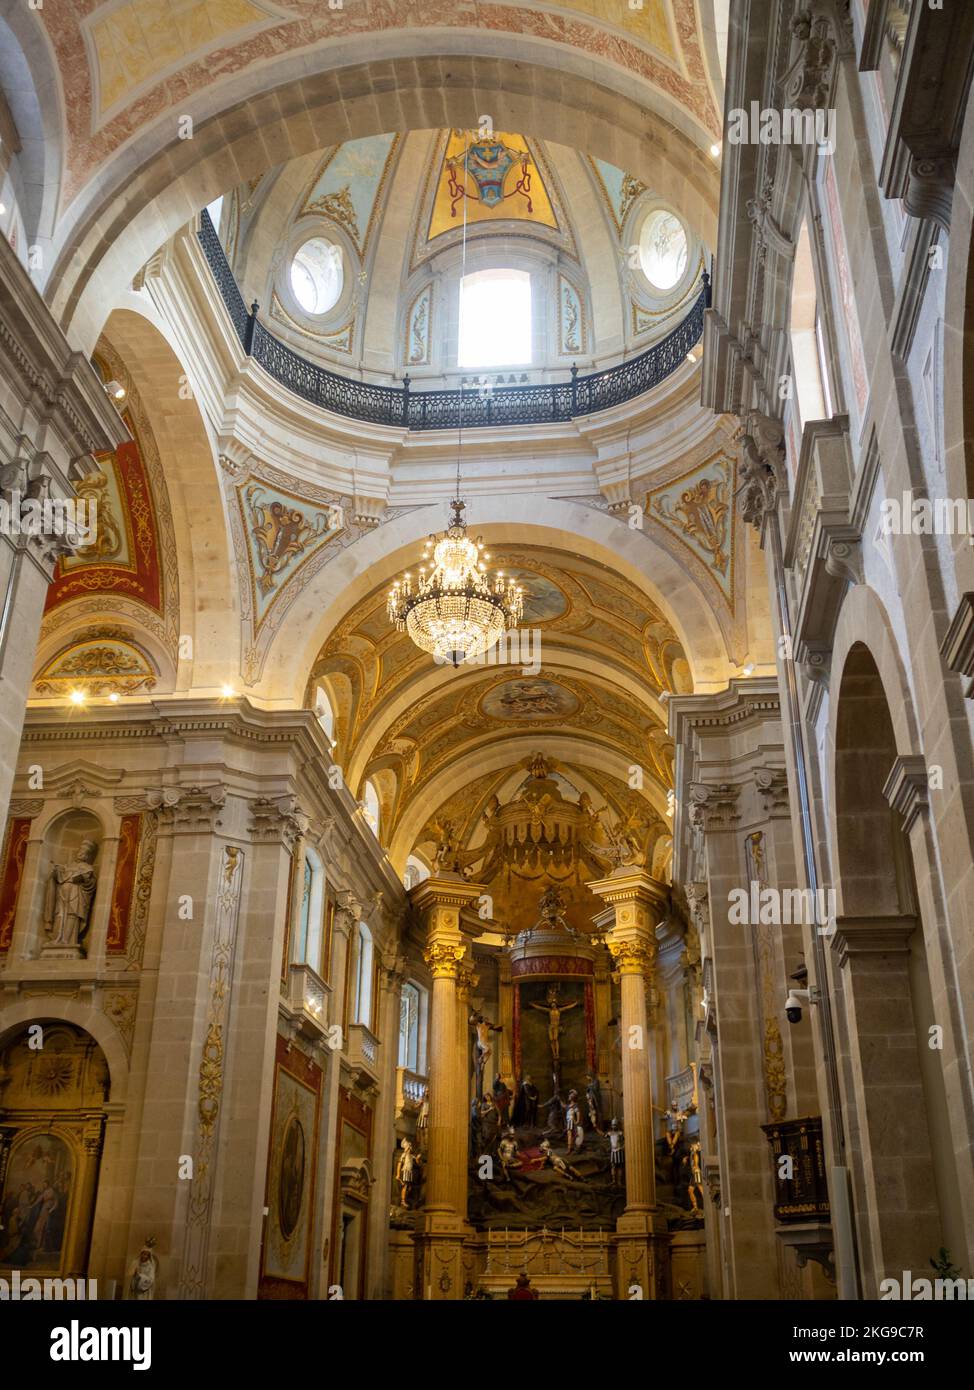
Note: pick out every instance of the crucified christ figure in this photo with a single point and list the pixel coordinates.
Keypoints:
(554, 1008)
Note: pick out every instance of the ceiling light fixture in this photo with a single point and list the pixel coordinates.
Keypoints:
(455, 610)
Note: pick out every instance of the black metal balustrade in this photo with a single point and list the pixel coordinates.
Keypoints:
(441, 410)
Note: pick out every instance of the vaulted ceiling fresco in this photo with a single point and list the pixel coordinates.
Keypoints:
(591, 673)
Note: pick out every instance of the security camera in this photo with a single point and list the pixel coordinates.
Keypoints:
(793, 1004)
(797, 997)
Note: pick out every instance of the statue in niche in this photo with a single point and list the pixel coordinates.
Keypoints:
(144, 1273)
(70, 890)
(617, 1154)
(554, 1008)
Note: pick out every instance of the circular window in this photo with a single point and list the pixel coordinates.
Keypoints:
(663, 249)
(317, 275)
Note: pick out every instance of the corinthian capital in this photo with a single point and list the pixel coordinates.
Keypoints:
(443, 960)
(633, 957)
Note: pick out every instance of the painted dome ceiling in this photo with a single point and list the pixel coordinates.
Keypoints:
(356, 253)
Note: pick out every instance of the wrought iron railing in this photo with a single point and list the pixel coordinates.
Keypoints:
(441, 410)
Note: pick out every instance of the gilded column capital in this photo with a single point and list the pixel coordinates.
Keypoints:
(444, 959)
(633, 956)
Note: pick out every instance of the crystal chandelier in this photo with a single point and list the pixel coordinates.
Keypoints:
(456, 610)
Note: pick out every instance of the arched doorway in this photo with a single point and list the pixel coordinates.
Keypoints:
(54, 1089)
(894, 1098)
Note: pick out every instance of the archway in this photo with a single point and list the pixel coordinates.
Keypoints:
(56, 1088)
(246, 125)
(895, 1093)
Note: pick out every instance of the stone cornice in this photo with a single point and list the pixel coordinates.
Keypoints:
(878, 936)
(36, 354)
(907, 789)
(744, 701)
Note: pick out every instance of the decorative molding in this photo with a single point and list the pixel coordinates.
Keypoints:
(713, 808)
(907, 789)
(957, 648)
(277, 820)
(772, 787)
(762, 467)
(863, 936)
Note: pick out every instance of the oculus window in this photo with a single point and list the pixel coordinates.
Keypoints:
(663, 249)
(495, 319)
(317, 275)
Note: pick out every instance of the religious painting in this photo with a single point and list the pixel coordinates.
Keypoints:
(291, 1186)
(543, 600)
(35, 1201)
(529, 699)
(291, 1178)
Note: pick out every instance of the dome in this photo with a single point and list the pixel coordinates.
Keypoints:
(443, 255)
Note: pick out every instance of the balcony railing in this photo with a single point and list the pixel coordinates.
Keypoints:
(401, 407)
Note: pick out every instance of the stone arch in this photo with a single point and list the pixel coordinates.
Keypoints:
(87, 1018)
(30, 82)
(206, 595)
(571, 526)
(866, 668)
(410, 80)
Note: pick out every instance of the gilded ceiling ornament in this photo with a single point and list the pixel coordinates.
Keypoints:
(108, 534)
(340, 208)
(281, 533)
(702, 514)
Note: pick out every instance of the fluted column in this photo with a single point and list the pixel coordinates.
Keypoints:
(638, 904)
(635, 960)
(447, 954)
(443, 959)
